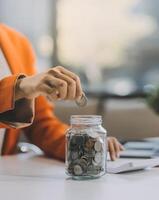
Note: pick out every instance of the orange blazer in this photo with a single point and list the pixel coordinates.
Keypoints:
(35, 118)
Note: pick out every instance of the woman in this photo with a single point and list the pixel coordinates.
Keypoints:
(23, 105)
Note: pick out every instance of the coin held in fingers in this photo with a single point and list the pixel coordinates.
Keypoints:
(82, 101)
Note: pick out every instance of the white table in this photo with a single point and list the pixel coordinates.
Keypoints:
(29, 177)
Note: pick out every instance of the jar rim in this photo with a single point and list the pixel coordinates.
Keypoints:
(86, 119)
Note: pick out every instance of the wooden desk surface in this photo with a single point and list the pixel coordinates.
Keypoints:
(30, 177)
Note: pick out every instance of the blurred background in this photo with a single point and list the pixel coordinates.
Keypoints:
(112, 45)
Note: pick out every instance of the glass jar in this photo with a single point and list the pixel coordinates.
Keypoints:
(86, 147)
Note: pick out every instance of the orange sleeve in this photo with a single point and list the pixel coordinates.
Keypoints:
(47, 132)
(14, 114)
(7, 93)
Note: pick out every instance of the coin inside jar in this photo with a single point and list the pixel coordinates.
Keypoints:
(78, 170)
(89, 144)
(94, 169)
(98, 158)
(74, 155)
(98, 146)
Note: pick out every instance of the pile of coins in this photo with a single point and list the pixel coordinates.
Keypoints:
(85, 155)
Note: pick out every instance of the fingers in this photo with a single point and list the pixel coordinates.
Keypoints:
(51, 97)
(111, 150)
(71, 84)
(75, 79)
(57, 85)
(114, 147)
(121, 147)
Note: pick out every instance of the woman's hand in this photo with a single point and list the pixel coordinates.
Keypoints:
(56, 83)
(114, 148)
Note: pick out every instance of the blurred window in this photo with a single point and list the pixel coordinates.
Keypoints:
(105, 41)
(117, 38)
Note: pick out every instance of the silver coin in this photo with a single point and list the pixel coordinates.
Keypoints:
(82, 101)
(98, 157)
(90, 155)
(94, 170)
(78, 170)
(74, 155)
(98, 146)
(89, 144)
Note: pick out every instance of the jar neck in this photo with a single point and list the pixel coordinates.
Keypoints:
(86, 120)
(81, 126)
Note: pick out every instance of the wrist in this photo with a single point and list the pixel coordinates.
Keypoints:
(19, 91)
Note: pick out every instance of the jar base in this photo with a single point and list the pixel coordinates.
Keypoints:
(89, 177)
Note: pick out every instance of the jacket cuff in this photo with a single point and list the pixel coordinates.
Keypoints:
(7, 89)
(16, 114)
